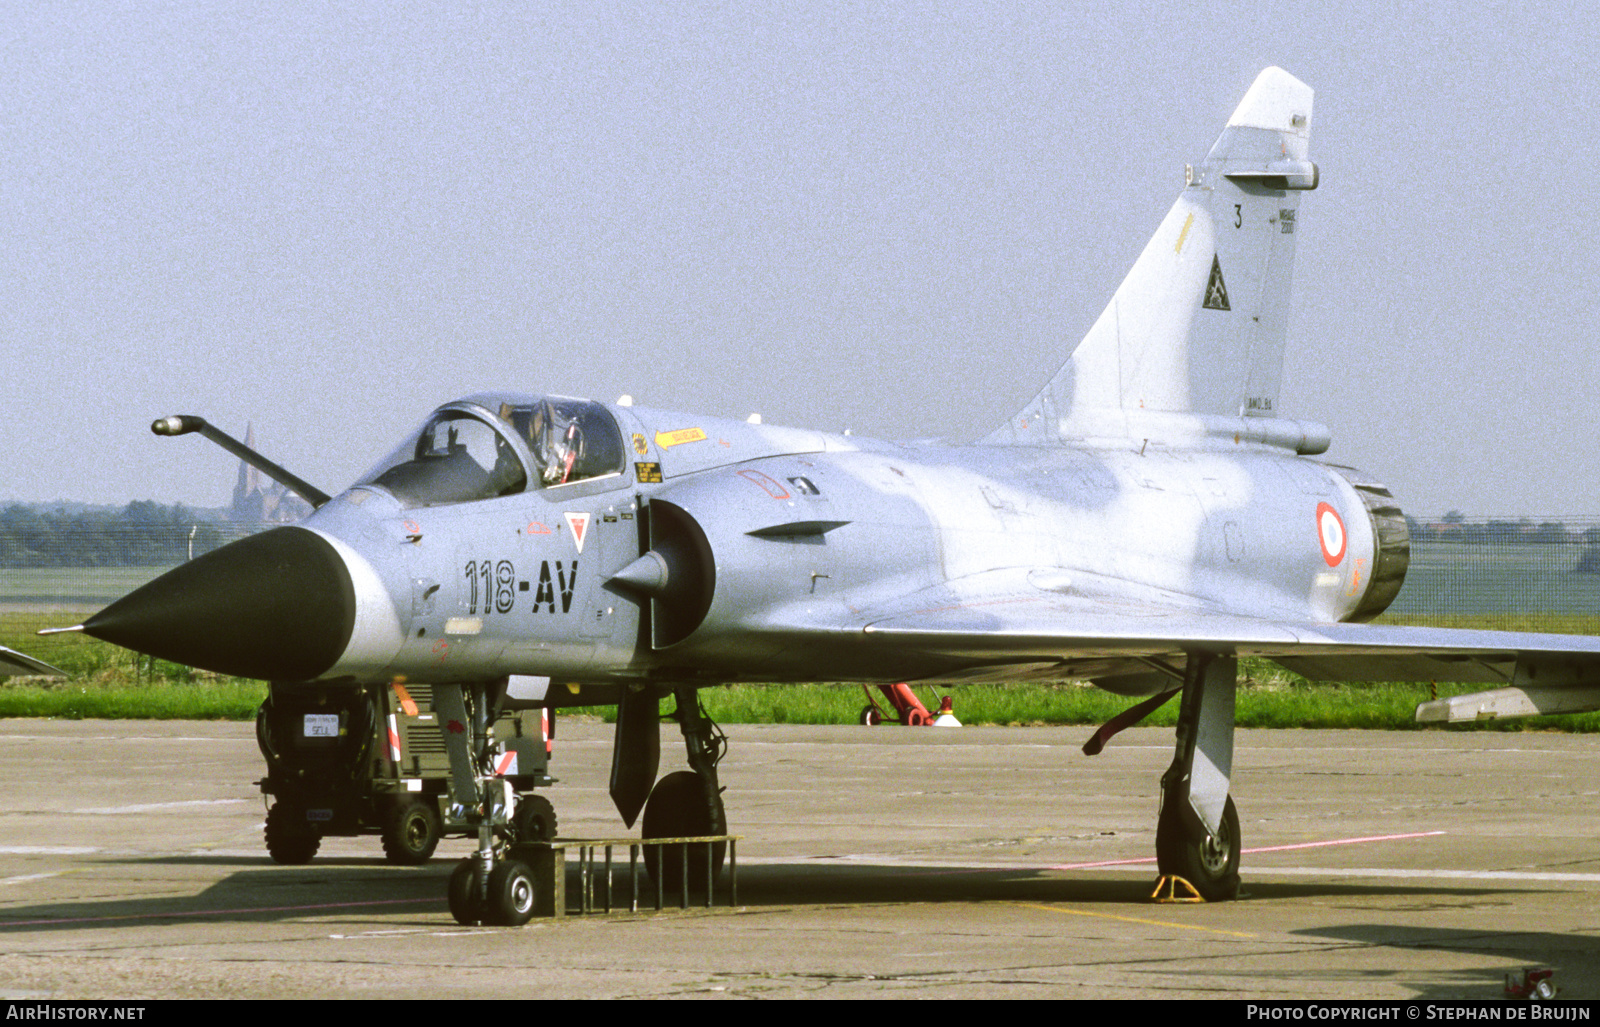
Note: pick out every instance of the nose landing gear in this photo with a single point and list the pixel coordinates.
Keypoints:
(492, 886)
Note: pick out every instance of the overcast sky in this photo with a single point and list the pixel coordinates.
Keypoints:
(899, 218)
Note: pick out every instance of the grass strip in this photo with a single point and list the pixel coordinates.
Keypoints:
(1262, 704)
(106, 682)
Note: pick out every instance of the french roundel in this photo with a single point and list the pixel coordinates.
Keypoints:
(1330, 532)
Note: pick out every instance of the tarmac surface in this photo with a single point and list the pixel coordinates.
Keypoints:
(875, 862)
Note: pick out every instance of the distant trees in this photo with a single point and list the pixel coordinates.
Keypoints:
(142, 533)
(1454, 527)
(1589, 561)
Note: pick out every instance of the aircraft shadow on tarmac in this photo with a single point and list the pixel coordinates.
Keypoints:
(795, 884)
(1573, 957)
(353, 886)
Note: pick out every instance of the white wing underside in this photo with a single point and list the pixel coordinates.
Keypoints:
(1010, 616)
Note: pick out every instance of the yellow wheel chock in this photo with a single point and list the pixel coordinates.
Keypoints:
(1172, 888)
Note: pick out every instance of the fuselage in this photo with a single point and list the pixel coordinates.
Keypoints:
(578, 543)
(767, 524)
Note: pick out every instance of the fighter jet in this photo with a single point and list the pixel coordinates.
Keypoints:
(1148, 519)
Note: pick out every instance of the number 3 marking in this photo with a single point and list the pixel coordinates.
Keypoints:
(1238, 216)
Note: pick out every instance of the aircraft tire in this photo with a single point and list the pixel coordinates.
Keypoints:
(412, 832)
(465, 904)
(534, 820)
(290, 842)
(512, 894)
(1210, 863)
(677, 809)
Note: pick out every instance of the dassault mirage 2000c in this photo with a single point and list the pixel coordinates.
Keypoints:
(1145, 521)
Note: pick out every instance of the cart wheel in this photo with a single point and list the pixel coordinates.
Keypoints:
(511, 894)
(290, 840)
(534, 820)
(412, 832)
(916, 718)
(870, 717)
(465, 903)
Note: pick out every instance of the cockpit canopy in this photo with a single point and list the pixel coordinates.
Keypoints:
(500, 444)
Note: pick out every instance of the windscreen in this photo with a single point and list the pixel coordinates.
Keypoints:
(455, 458)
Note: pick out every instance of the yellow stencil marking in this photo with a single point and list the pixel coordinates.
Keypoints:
(1130, 919)
(1183, 234)
(668, 439)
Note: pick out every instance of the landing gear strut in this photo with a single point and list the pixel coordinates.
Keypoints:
(1197, 834)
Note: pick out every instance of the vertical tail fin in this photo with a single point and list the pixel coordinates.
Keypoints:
(1192, 342)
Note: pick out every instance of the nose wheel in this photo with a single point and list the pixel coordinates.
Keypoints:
(503, 897)
(493, 893)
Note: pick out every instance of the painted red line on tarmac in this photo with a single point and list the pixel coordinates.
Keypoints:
(1349, 841)
(1269, 848)
(1147, 860)
(1102, 863)
(212, 912)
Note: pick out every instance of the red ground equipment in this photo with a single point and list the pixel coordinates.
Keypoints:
(908, 709)
(1535, 984)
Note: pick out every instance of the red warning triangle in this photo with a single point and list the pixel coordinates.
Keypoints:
(579, 523)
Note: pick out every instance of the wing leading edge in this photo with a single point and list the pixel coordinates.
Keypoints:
(15, 664)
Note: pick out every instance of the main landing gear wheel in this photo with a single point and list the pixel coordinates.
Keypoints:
(412, 832)
(290, 840)
(1209, 862)
(677, 808)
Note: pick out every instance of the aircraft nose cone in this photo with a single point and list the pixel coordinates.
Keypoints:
(278, 606)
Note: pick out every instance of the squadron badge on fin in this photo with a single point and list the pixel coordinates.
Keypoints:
(1216, 292)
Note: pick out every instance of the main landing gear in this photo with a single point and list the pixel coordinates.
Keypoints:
(688, 803)
(685, 804)
(1197, 833)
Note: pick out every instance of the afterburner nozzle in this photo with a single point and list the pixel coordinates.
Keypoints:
(279, 606)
